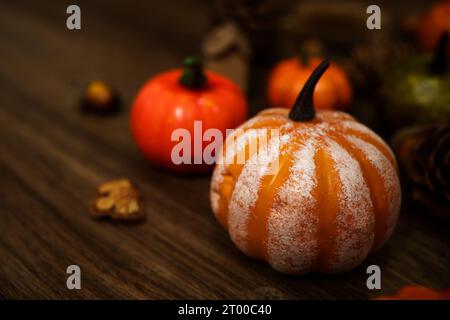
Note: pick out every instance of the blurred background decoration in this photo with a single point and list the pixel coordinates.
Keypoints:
(423, 153)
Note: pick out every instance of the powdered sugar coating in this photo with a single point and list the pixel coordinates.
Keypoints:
(388, 174)
(334, 116)
(246, 190)
(358, 127)
(292, 226)
(355, 219)
(221, 167)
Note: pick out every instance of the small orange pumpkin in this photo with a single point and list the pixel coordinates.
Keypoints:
(176, 99)
(435, 22)
(287, 78)
(333, 198)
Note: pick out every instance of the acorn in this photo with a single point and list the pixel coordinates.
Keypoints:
(100, 98)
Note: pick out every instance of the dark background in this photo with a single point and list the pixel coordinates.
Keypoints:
(52, 157)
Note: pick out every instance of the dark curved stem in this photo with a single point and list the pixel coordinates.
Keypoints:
(439, 64)
(193, 76)
(303, 108)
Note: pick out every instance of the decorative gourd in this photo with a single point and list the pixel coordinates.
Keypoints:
(287, 78)
(174, 100)
(418, 89)
(434, 23)
(414, 292)
(333, 198)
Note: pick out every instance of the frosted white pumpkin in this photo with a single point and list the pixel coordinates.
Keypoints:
(333, 199)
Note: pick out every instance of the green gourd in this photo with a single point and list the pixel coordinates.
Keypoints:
(417, 90)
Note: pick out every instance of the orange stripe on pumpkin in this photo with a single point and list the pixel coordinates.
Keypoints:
(257, 224)
(231, 172)
(326, 192)
(376, 189)
(364, 133)
(383, 183)
(242, 202)
(354, 220)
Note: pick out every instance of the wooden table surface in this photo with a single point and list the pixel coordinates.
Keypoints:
(52, 157)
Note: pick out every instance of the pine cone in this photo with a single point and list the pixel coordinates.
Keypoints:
(424, 158)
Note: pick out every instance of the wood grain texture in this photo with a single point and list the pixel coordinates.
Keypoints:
(52, 157)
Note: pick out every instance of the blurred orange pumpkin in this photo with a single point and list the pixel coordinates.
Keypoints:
(287, 78)
(418, 293)
(434, 23)
(320, 196)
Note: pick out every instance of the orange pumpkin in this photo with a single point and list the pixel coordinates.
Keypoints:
(333, 198)
(434, 23)
(176, 99)
(287, 78)
(413, 292)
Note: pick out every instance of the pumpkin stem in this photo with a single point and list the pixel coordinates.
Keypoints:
(439, 64)
(193, 76)
(303, 108)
